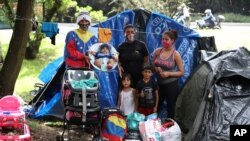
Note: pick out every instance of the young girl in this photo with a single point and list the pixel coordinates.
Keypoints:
(127, 96)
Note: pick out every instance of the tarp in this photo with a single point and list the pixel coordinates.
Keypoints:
(150, 26)
(108, 87)
(150, 29)
(216, 96)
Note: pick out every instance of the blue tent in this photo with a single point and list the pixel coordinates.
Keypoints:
(150, 26)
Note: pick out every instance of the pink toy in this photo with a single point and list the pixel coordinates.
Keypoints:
(12, 121)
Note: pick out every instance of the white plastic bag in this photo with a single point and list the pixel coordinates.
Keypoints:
(150, 130)
(172, 133)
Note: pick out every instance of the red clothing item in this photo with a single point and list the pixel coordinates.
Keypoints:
(77, 58)
(145, 111)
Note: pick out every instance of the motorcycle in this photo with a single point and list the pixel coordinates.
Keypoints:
(201, 24)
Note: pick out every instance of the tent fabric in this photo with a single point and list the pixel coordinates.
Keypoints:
(50, 70)
(51, 107)
(108, 87)
(116, 24)
(151, 26)
(216, 96)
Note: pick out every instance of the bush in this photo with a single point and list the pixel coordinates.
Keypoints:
(231, 17)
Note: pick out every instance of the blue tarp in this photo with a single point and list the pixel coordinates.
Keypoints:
(155, 26)
(108, 87)
(50, 70)
(51, 107)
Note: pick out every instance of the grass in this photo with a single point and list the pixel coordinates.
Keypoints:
(229, 17)
(31, 69)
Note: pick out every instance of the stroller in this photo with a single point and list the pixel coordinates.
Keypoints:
(12, 121)
(81, 105)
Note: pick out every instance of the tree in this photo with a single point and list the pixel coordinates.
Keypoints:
(167, 7)
(17, 47)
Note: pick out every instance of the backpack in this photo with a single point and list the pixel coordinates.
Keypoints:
(114, 125)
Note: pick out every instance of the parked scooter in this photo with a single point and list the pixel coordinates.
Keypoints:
(210, 21)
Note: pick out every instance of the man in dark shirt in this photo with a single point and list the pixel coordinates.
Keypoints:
(132, 55)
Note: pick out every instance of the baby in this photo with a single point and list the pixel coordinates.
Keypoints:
(104, 59)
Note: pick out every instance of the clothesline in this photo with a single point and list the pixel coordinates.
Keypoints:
(119, 31)
(24, 19)
(112, 29)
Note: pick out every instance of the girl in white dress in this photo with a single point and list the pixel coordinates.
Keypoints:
(127, 97)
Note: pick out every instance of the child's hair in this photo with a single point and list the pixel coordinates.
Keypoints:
(171, 33)
(124, 76)
(104, 45)
(148, 66)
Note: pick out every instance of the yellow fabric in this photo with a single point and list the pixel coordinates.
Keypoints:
(117, 121)
(83, 35)
(104, 35)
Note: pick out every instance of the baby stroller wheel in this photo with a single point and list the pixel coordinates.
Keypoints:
(59, 138)
(96, 138)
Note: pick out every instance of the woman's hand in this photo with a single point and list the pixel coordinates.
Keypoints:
(121, 70)
(155, 109)
(164, 74)
(91, 52)
(158, 69)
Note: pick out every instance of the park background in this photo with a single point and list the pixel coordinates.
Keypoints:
(234, 33)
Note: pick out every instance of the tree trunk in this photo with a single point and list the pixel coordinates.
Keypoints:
(17, 47)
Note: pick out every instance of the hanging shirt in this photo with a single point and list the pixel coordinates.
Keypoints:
(50, 29)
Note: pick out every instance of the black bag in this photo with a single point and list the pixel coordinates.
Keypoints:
(207, 43)
(133, 135)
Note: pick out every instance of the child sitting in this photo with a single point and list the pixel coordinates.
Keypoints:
(147, 91)
(104, 59)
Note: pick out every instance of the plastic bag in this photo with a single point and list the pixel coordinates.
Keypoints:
(171, 131)
(150, 130)
(133, 120)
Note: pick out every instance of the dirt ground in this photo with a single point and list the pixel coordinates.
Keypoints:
(41, 132)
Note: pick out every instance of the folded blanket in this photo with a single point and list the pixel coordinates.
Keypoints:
(84, 83)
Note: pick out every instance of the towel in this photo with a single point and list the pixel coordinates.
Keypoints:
(50, 30)
(84, 83)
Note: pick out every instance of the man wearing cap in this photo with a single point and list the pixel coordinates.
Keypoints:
(78, 42)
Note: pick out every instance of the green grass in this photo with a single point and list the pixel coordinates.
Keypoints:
(229, 17)
(31, 69)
